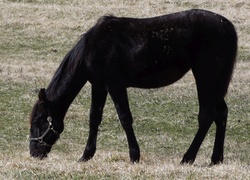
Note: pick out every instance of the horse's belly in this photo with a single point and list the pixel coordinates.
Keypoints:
(157, 79)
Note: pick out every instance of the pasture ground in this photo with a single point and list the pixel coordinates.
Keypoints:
(34, 37)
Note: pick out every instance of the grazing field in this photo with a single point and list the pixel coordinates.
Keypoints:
(34, 37)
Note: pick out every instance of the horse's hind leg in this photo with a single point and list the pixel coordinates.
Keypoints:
(217, 112)
(220, 121)
(205, 118)
(211, 89)
(206, 88)
(99, 95)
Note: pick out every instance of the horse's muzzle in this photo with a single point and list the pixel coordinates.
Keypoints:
(39, 150)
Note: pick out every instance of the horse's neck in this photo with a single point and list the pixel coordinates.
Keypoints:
(69, 78)
(61, 92)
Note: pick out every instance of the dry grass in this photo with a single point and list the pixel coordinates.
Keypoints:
(35, 35)
(113, 165)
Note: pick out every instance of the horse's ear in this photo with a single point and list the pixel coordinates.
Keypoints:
(42, 95)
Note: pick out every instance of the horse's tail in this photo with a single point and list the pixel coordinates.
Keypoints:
(230, 58)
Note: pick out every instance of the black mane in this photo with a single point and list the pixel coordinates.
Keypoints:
(68, 69)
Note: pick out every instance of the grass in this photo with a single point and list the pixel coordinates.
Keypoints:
(34, 37)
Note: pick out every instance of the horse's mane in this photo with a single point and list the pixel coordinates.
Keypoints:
(67, 69)
(71, 63)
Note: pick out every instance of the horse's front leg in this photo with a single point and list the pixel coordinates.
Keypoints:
(120, 99)
(99, 95)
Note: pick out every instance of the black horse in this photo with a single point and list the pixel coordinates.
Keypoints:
(117, 53)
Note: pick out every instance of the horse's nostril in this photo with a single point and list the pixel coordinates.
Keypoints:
(38, 154)
(38, 151)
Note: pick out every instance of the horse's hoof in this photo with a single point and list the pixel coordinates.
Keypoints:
(84, 159)
(135, 161)
(134, 156)
(187, 161)
(215, 163)
(216, 159)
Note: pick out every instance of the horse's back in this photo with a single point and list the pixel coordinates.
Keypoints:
(154, 52)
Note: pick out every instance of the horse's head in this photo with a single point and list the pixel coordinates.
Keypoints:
(44, 127)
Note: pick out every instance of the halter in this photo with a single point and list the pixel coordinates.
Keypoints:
(50, 127)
